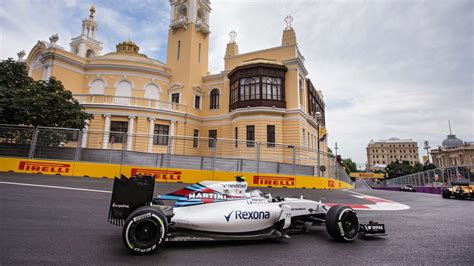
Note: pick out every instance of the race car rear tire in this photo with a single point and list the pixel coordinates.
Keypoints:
(445, 193)
(342, 223)
(145, 230)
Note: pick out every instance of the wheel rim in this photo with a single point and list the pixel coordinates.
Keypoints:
(146, 232)
(350, 225)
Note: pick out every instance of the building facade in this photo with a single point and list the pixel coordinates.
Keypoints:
(261, 96)
(383, 152)
(453, 152)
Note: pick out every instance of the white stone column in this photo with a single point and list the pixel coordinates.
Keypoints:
(151, 130)
(172, 126)
(105, 140)
(84, 134)
(171, 134)
(192, 11)
(82, 50)
(131, 126)
(47, 71)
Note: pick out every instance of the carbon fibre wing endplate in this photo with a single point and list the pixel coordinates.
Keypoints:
(129, 194)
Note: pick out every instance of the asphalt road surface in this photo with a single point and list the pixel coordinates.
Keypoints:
(41, 222)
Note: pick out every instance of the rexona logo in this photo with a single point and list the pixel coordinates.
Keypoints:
(284, 181)
(202, 195)
(158, 174)
(44, 167)
(247, 215)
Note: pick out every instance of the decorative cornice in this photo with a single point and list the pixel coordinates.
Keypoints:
(214, 76)
(197, 90)
(127, 67)
(175, 87)
(298, 62)
(87, 40)
(85, 66)
(264, 50)
(135, 108)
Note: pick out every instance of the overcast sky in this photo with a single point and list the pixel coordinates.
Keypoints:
(386, 68)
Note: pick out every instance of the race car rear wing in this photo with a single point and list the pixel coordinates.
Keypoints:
(129, 194)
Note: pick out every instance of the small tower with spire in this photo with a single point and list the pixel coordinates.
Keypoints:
(289, 35)
(85, 45)
(232, 47)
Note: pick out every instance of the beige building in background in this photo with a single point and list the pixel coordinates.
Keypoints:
(453, 152)
(383, 152)
(261, 96)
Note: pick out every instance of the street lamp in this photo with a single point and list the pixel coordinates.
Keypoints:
(427, 148)
(318, 117)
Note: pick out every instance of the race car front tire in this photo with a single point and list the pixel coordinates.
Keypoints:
(342, 223)
(445, 193)
(145, 230)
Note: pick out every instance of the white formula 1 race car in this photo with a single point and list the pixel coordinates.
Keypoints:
(212, 210)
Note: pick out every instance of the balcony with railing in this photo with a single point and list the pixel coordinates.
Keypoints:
(86, 99)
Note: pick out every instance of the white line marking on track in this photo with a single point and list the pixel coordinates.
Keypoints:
(57, 187)
(380, 204)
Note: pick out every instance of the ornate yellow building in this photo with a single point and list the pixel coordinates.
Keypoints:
(261, 96)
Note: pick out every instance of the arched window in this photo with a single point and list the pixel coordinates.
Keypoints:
(271, 88)
(123, 92)
(214, 99)
(90, 53)
(152, 91)
(300, 86)
(179, 50)
(201, 16)
(182, 12)
(97, 86)
(249, 89)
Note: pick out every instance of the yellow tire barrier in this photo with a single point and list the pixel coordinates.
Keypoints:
(171, 175)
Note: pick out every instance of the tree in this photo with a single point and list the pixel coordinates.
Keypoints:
(418, 167)
(349, 165)
(428, 166)
(396, 169)
(330, 154)
(24, 101)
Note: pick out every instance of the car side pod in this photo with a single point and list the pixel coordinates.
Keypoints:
(372, 229)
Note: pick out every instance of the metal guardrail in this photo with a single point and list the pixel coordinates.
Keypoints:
(439, 177)
(166, 151)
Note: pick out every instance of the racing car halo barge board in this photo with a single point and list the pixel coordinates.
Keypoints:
(212, 210)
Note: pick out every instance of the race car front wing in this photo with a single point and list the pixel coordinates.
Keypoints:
(372, 229)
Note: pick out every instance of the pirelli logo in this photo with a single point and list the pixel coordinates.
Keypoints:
(59, 168)
(158, 174)
(284, 181)
(331, 183)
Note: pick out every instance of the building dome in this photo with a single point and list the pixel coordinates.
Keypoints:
(452, 141)
(127, 47)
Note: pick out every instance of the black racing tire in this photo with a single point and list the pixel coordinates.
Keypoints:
(145, 230)
(445, 193)
(342, 223)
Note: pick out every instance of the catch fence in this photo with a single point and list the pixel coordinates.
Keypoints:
(439, 177)
(165, 151)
